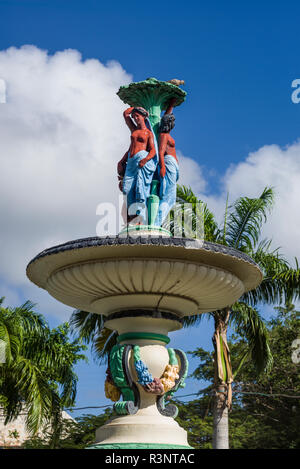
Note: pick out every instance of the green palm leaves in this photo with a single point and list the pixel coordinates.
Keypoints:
(38, 374)
(185, 195)
(245, 220)
(90, 328)
(241, 229)
(249, 324)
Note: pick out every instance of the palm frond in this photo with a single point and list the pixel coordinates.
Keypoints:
(193, 320)
(198, 213)
(289, 280)
(11, 335)
(225, 220)
(246, 218)
(39, 366)
(103, 343)
(29, 320)
(86, 325)
(90, 328)
(280, 284)
(186, 195)
(35, 390)
(249, 324)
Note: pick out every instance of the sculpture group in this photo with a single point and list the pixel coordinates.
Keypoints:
(143, 286)
(150, 166)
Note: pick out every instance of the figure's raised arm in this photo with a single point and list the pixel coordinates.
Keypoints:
(128, 119)
(171, 106)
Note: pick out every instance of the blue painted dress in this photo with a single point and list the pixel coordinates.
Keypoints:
(167, 193)
(137, 183)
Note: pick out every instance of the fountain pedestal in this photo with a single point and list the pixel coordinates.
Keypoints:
(150, 425)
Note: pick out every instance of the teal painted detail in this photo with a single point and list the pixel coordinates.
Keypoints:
(121, 408)
(170, 410)
(182, 381)
(153, 202)
(154, 187)
(172, 356)
(137, 446)
(143, 335)
(153, 95)
(116, 366)
(136, 353)
(130, 229)
(119, 379)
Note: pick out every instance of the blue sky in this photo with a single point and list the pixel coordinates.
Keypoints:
(238, 60)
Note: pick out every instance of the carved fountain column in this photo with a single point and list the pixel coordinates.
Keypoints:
(144, 282)
(144, 286)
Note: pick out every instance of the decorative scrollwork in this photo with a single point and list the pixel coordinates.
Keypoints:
(171, 410)
(119, 380)
(118, 375)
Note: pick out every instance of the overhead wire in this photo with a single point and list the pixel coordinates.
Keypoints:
(197, 394)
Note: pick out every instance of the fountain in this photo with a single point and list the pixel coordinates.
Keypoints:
(144, 281)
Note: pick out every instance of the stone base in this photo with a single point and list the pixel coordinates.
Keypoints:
(137, 446)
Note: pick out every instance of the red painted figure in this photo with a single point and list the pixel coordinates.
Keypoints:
(141, 138)
(166, 142)
(169, 170)
(136, 168)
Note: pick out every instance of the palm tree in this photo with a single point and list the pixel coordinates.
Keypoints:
(90, 329)
(37, 374)
(240, 229)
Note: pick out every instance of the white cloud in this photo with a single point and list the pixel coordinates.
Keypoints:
(270, 166)
(2, 91)
(191, 173)
(279, 168)
(61, 135)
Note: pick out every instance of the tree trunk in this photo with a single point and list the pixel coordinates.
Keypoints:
(220, 420)
(222, 381)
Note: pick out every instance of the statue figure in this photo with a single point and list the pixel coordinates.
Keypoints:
(168, 162)
(137, 167)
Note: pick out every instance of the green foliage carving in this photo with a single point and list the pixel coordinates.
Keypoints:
(153, 95)
(119, 378)
(151, 92)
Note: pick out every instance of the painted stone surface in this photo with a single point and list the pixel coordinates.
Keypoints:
(143, 281)
(148, 171)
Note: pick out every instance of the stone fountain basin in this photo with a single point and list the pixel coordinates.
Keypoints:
(111, 274)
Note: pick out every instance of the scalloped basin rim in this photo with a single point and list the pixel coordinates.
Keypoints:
(115, 247)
